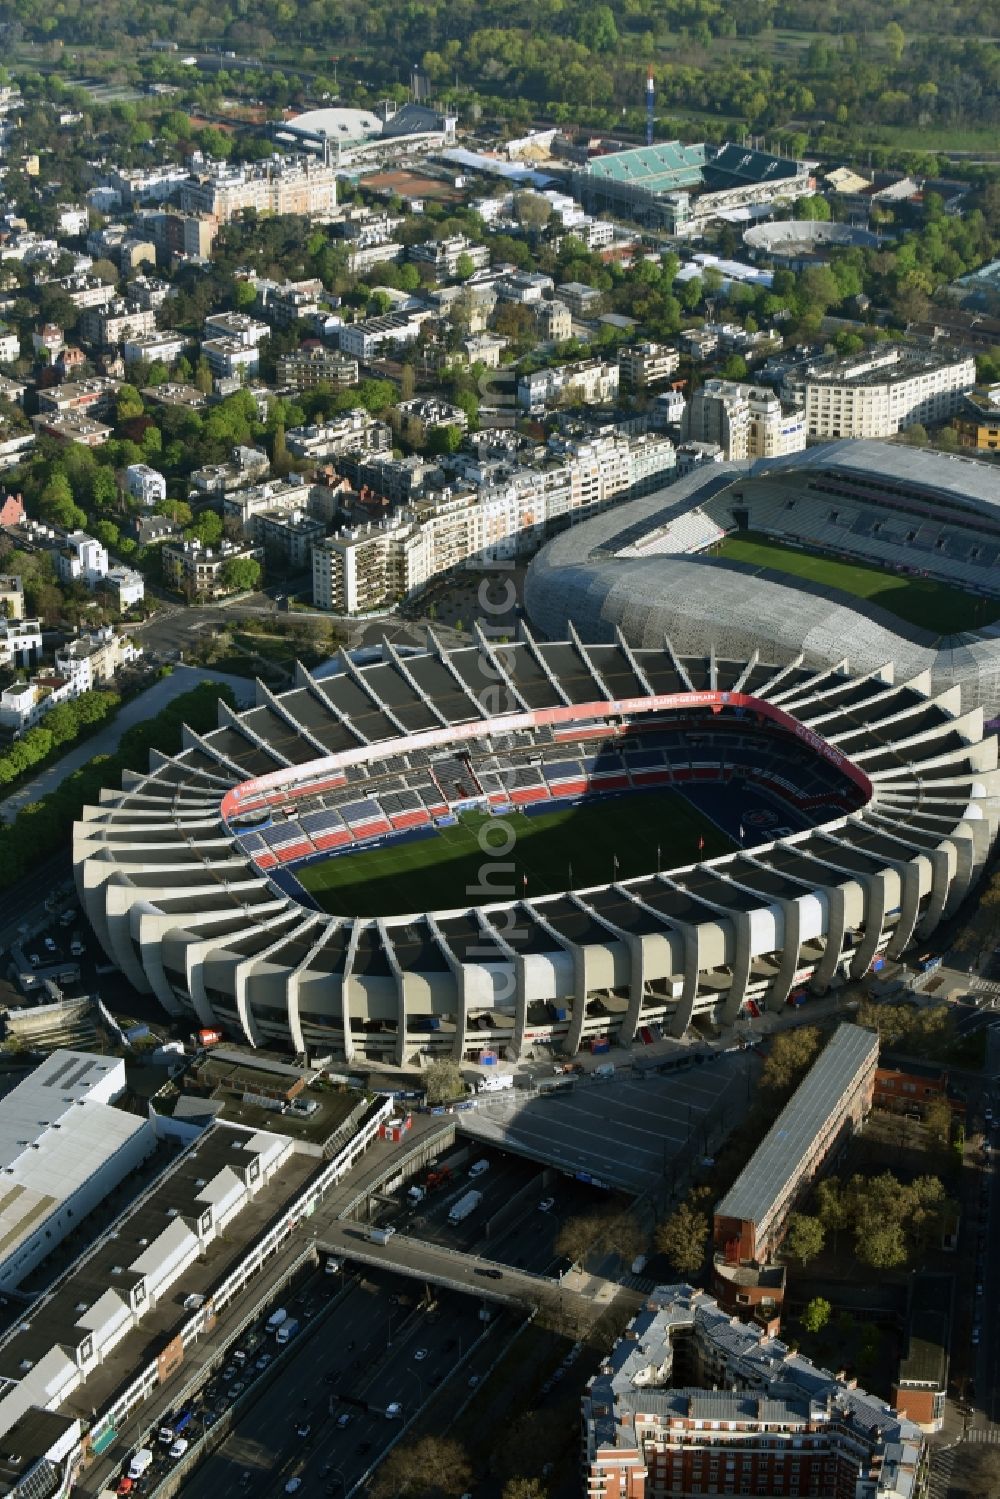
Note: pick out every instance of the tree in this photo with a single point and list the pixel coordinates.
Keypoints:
(578, 1237)
(407, 382)
(792, 1054)
(916, 435)
(816, 1315)
(207, 529)
(240, 574)
(683, 1238)
(106, 271)
(937, 1120)
(430, 1468)
(524, 1488)
(464, 266)
(443, 1081)
(805, 1238)
(533, 210)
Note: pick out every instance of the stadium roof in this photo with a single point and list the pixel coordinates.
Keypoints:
(777, 1160)
(344, 125)
(658, 169)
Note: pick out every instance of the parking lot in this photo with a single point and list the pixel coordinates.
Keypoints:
(624, 1131)
(344, 1387)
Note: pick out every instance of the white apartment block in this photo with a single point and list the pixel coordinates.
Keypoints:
(237, 326)
(166, 345)
(20, 642)
(229, 358)
(367, 568)
(394, 330)
(197, 569)
(145, 484)
(10, 346)
(113, 324)
(291, 184)
(82, 559)
(286, 495)
(309, 367)
(354, 432)
(444, 254)
(883, 392)
(745, 421)
(94, 659)
(591, 383)
(128, 587)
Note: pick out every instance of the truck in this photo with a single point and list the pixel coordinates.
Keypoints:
(380, 1235)
(142, 1460)
(276, 1318)
(415, 1195)
(498, 1084)
(606, 1069)
(286, 1331)
(209, 1037)
(464, 1206)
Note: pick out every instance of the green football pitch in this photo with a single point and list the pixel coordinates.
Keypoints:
(538, 855)
(919, 601)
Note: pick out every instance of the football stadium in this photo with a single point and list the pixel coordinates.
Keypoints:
(491, 850)
(859, 552)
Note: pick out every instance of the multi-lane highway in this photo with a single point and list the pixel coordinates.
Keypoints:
(382, 1344)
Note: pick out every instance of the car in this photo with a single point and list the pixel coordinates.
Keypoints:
(264, 1360)
(546, 1205)
(240, 1356)
(124, 1486)
(303, 1430)
(246, 1479)
(237, 1388)
(51, 947)
(179, 1447)
(33, 959)
(979, 1289)
(344, 1419)
(209, 1418)
(230, 1373)
(489, 1272)
(546, 1387)
(293, 1484)
(393, 1410)
(988, 1114)
(975, 1337)
(420, 1355)
(473, 1381)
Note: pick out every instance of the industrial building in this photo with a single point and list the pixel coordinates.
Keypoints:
(829, 1104)
(692, 1401)
(63, 1148)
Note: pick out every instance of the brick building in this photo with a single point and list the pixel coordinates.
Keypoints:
(694, 1402)
(828, 1104)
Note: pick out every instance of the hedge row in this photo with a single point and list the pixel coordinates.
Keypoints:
(46, 825)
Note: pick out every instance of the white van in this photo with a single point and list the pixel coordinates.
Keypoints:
(478, 1169)
(141, 1461)
(276, 1318)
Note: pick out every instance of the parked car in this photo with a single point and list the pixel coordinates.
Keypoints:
(179, 1447)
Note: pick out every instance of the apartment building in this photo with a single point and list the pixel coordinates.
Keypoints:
(111, 325)
(11, 597)
(20, 641)
(81, 559)
(886, 390)
(71, 426)
(506, 516)
(165, 345)
(375, 335)
(199, 570)
(691, 1401)
(978, 421)
(94, 397)
(145, 484)
(230, 358)
(94, 659)
(745, 421)
(592, 382)
(316, 365)
(287, 185)
(354, 432)
(10, 346)
(643, 365)
(240, 506)
(444, 254)
(828, 1105)
(287, 536)
(245, 465)
(423, 415)
(361, 569)
(554, 321)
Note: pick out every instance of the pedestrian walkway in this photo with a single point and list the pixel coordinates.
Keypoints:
(146, 706)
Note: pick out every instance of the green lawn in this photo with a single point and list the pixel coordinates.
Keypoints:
(919, 601)
(445, 871)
